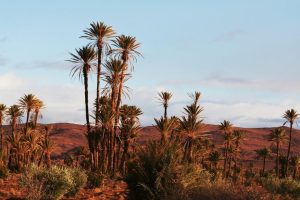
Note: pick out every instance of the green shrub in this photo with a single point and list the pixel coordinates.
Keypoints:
(4, 172)
(95, 179)
(79, 180)
(52, 183)
(287, 187)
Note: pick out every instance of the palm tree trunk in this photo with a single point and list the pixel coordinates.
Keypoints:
(165, 113)
(98, 84)
(27, 120)
(225, 161)
(264, 165)
(36, 118)
(289, 149)
(277, 160)
(295, 172)
(124, 155)
(86, 97)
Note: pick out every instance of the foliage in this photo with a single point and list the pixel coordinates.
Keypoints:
(95, 179)
(51, 183)
(287, 187)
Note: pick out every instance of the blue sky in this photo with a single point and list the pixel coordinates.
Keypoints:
(242, 55)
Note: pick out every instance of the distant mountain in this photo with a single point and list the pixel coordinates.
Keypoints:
(69, 136)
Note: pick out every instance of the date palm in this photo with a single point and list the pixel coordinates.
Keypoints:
(2, 114)
(263, 153)
(238, 137)
(290, 116)
(191, 125)
(14, 114)
(27, 103)
(277, 136)
(295, 163)
(165, 127)
(226, 127)
(164, 98)
(37, 108)
(125, 48)
(214, 158)
(129, 128)
(100, 34)
(84, 60)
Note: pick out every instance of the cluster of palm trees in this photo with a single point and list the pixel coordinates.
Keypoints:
(190, 130)
(23, 144)
(284, 163)
(116, 125)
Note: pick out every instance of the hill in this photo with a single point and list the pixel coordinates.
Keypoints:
(69, 136)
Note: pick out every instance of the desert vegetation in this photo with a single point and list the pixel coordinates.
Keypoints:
(184, 163)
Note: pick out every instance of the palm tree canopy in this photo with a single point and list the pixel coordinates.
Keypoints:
(2, 111)
(14, 113)
(28, 101)
(100, 33)
(83, 59)
(164, 97)
(226, 126)
(126, 47)
(277, 135)
(291, 115)
(263, 153)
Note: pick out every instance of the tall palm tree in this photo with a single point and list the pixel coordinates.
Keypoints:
(27, 103)
(14, 114)
(238, 137)
(126, 50)
(214, 158)
(226, 127)
(129, 128)
(83, 60)
(165, 127)
(263, 153)
(164, 98)
(100, 34)
(295, 163)
(39, 104)
(191, 125)
(2, 114)
(277, 136)
(291, 116)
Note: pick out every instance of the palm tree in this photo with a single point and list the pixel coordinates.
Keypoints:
(27, 103)
(16, 150)
(191, 125)
(129, 128)
(226, 127)
(295, 162)
(277, 136)
(164, 98)
(83, 60)
(126, 50)
(290, 116)
(214, 158)
(100, 34)
(37, 108)
(47, 146)
(14, 114)
(2, 114)
(238, 137)
(165, 127)
(263, 153)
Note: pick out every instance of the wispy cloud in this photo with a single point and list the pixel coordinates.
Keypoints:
(56, 65)
(228, 36)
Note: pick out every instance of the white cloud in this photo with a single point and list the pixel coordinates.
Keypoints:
(65, 103)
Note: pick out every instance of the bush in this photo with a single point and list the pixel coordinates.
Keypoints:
(287, 187)
(52, 183)
(79, 181)
(4, 172)
(95, 179)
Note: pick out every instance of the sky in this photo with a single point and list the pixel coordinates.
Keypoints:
(243, 56)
